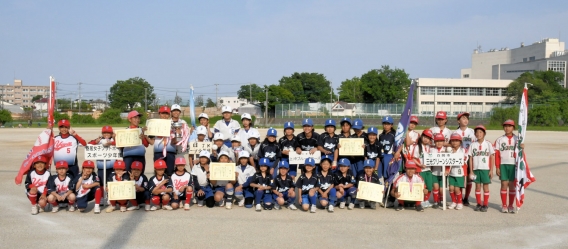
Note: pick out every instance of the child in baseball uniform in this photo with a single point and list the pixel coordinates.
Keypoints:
(223, 188)
(119, 175)
(219, 146)
(358, 132)
(283, 188)
(468, 137)
(236, 145)
(418, 151)
(36, 182)
(270, 149)
(411, 177)
(288, 143)
(441, 121)
(243, 191)
(261, 183)
(328, 143)
(65, 146)
(307, 186)
(505, 165)
(201, 172)
(247, 129)
(387, 140)
(345, 184)
(201, 137)
(456, 180)
(227, 126)
(326, 180)
(412, 136)
(164, 143)
(437, 170)
(345, 124)
(481, 158)
(141, 185)
(135, 153)
(160, 187)
(203, 119)
(368, 175)
(106, 139)
(87, 187)
(184, 185)
(252, 147)
(58, 188)
(308, 139)
(373, 149)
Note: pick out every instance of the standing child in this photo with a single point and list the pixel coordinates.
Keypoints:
(457, 174)
(357, 161)
(65, 146)
(468, 137)
(283, 188)
(135, 153)
(441, 121)
(160, 187)
(386, 139)
(261, 182)
(411, 177)
(87, 187)
(141, 185)
(270, 149)
(369, 175)
(505, 164)
(36, 182)
(252, 147)
(288, 143)
(345, 184)
(373, 150)
(219, 146)
(307, 186)
(201, 172)
(119, 175)
(204, 121)
(345, 124)
(326, 191)
(201, 137)
(412, 136)
(247, 129)
(227, 126)
(106, 140)
(58, 188)
(437, 172)
(328, 143)
(308, 139)
(417, 151)
(184, 184)
(245, 173)
(481, 159)
(161, 142)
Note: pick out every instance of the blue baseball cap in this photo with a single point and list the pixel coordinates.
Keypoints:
(369, 163)
(357, 124)
(264, 162)
(271, 132)
(310, 161)
(343, 120)
(326, 157)
(388, 119)
(283, 164)
(330, 122)
(372, 130)
(308, 122)
(288, 125)
(344, 162)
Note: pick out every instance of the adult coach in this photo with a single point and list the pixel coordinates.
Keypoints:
(227, 126)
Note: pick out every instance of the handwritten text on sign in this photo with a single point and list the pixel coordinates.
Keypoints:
(100, 152)
(416, 193)
(222, 171)
(295, 158)
(123, 190)
(352, 146)
(159, 127)
(196, 147)
(370, 191)
(444, 159)
(127, 138)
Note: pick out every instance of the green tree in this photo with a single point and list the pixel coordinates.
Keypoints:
(245, 92)
(177, 99)
(210, 103)
(82, 119)
(350, 90)
(110, 116)
(36, 98)
(545, 87)
(199, 101)
(385, 85)
(124, 94)
(308, 87)
(276, 95)
(5, 116)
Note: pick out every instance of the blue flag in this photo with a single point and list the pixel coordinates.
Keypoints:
(193, 135)
(401, 129)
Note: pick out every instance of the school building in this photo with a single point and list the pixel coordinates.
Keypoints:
(18, 94)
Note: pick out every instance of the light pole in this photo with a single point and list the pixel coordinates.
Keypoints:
(266, 107)
(145, 99)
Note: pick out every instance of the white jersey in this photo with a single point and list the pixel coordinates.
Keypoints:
(416, 178)
(244, 135)
(437, 170)
(414, 136)
(446, 132)
(37, 180)
(84, 191)
(59, 186)
(65, 149)
(506, 148)
(468, 137)
(480, 153)
(456, 171)
(227, 129)
(201, 175)
(180, 181)
(249, 171)
(415, 151)
(253, 152)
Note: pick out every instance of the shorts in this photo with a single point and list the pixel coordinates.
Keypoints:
(428, 179)
(306, 200)
(84, 200)
(438, 180)
(207, 190)
(284, 196)
(220, 189)
(456, 181)
(507, 172)
(482, 176)
(181, 197)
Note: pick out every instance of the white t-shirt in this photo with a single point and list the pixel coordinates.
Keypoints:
(244, 135)
(480, 153)
(244, 174)
(506, 147)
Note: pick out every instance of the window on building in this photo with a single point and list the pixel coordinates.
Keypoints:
(475, 103)
(492, 91)
(504, 92)
(444, 103)
(462, 91)
(460, 103)
(525, 60)
(444, 91)
(491, 104)
(466, 75)
(427, 90)
(475, 91)
(532, 58)
(24, 90)
(427, 103)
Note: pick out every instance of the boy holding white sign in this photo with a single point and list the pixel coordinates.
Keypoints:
(410, 177)
(481, 159)
(106, 139)
(368, 175)
(160, 142)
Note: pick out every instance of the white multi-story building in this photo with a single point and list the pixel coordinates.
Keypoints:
(233, 102)
(21, 95)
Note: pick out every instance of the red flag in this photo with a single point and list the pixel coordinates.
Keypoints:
(42, 147)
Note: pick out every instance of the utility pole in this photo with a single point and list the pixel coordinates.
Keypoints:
(266, 107)
(145, 99)
(216, 98)
(175, 98)
(106, 100)
(250, 90)
(330, 99)
(2, 98)
(79, 97)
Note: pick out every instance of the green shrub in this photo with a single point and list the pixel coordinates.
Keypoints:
(82, 119)
(213, 120)
(110, 116)
(500, 114)
(544, 115)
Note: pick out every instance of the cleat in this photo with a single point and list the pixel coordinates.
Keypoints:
(390, 204)
(351, 206)
(465, 202)
(452, 206)
(242, 203)
(330, 208)
(511, 210)
(97, 209)
(132, 208)
(221, 203)
(459, 206)
(147, 207)
(109, 209)
(71, 208)
(55, 209)
(200, 203)
(477, 208)
(362, 204)
(168, 207)
(292, 207)
(229, 205)
(186, 206)
(258, 208)
(400, 208)
(373, 205)
(504, 209)
(483, 209)
(435, 206)
(276, 206)
(342, 205)
(122, 209)
(35, 210)
(154, 208)
(313, 209)
(419, 208)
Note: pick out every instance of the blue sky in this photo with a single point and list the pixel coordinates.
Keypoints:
(174, 44)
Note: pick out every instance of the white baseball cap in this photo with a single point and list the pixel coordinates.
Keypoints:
(201, 130)
(245, 115)
(176, 107)
(244, 153)
(226, 108)
(204, 153)
(218, 136)
(254, 134)
(223, 153)
(235, 138)
(203, 115)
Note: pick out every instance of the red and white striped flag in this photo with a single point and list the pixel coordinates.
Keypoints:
(523, 175)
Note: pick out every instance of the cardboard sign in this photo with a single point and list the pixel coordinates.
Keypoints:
(123, 190)
(417, 193)
(100, 152)
(222, 171)
(444, 159)
(196, 147)
(295, 158)
(127, 138)
(370, 191)
(159, 127)
(352, 147)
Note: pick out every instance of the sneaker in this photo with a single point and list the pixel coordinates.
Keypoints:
(459, 206)
(194, 200)
(390, 204)
(465, 202)
(71, 208)
(147, 207)
(362, 204)
(511, 209)
(477, 208)
(425, 204)
(123, 209)
(330, 208)
(35, 210)
(132, 208)
(313, 209)
(452, 206)
(435, 205)
(241, 202)
(276, 206)
(400, 208)
(186, 206)
(168, 207)
(373, 205)
(55, 209)
(342, 205)
(258, 207)
(351, 206)
(381, 204)
(483, 209)
(419, 208)
(221, 203)
(109, 209)
(504, 209)
(229, 205)
(292, 207)
(97, 209)
(154, 208)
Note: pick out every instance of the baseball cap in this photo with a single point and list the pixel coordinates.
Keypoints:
(310, 161)
(463, 114)
(42, 159)
(481, 127)
(289, 125)
(107, 129)
(203, 115)
(64, 122)
(218, 136)
(119, 164)
(330, 122)
(357, 124)
(180, 161)
(88, 164)
(344, 162)
(136, 165)
(439, 137)
(388, 119)
(207, 154)
(236, 138)
(264, 161)
(308, 122)
(134, 114)
(410, 164)
(62, 164)
(201, 130)
(176, 107)
(326, 157)
(509, 122)
(441, 114)
(254, 134)
(246, 116)
(456, 136)
(372, 130)
(284, 164)
(343, 120)
(160, 164)
(271, 132)
(244, 153)
(226, 108)
(222, 153)
(414, 119)
(164, 109)
(369, 163)
(428, 133)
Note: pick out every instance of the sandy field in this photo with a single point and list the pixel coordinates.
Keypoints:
(541, 223)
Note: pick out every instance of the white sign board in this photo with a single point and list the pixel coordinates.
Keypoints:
(444, 159)
(295, 158)
(100, 152)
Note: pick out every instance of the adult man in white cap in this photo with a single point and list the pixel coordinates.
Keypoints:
(227, 126)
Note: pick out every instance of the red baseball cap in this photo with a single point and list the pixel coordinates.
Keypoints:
(410, 164)
(64, 122)
(88, 164)
(441, 114)
(160, 164)
(61, 164)
(136, 165)
(509, 122)
(428, 133)
(456, 136)
(119, 164)
(414, 119)
(481, 127)
(42, 159)
(134, 114)
(180, 161)
(463, 114)
(107, 129)
(164, 109)
(439, 137)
